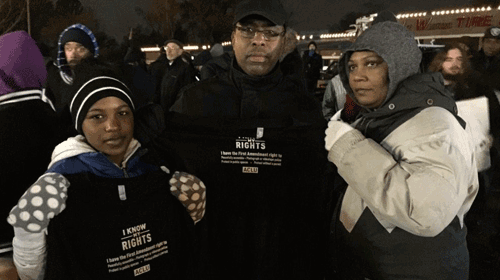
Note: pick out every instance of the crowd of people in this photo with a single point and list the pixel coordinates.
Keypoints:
(229, 166)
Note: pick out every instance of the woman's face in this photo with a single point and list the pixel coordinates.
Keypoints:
(368, 78)
(109, 127)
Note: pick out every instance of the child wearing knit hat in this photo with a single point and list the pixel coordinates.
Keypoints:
(107, 207)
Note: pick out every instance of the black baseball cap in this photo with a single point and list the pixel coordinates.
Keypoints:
(177, 42)
(492, 32)
(272, 10)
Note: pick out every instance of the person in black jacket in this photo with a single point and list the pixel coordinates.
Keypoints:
(138, 78)
(487, 59)
(179, 72)
(156, 69)
(467, 84)
(199, 62)
(217, 64)
(28, 128)
(256, 135)
(291, 61)
(76, 44)
(313, 62)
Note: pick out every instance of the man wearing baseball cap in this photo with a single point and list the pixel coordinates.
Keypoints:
(177, 73)
(257, 136)
(487, 60)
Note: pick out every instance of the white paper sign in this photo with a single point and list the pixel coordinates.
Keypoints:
(475, 113)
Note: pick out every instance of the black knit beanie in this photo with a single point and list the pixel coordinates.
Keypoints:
(79, 36)
(94, 90)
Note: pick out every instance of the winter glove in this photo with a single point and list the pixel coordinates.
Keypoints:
(337, 116)
(335, 130)
(44, 200)
(190, 191)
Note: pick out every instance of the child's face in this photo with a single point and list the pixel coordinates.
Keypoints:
(109, 127)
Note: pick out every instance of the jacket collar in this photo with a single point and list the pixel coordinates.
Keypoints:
(414, 94)
(245, 82)
(76, 146)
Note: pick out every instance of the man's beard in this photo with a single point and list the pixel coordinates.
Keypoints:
(74, 62)
(453, 77)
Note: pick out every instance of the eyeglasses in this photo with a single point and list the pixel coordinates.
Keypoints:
(269, 35)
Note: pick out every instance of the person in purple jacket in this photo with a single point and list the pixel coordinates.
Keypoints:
(27, 128)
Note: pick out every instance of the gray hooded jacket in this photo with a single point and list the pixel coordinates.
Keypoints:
(409, 167)
(408, 91)
(395, 44)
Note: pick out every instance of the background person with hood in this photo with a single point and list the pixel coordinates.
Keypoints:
(28, 131)
(107, 204)
(313, 63)
(408, 162)
(76, 43)
(335, 97)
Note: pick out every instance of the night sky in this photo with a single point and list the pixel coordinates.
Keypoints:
(118, 16)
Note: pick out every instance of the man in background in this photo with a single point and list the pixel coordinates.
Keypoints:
(313, 62)
(487, 59)
(178, 72)
(466, 83)
(76, 44)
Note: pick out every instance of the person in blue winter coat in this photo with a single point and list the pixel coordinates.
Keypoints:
(107, 207)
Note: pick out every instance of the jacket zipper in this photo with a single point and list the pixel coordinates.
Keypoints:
(125, 174)
(122, 193)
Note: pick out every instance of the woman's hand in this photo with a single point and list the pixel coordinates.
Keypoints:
(335, 130)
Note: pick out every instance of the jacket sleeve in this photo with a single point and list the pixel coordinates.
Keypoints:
(30, 254)
(418, 179)
(30, 218)
(329, 103)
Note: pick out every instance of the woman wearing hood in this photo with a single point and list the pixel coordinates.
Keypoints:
(107, 207)
(28, 131)
(408, 163)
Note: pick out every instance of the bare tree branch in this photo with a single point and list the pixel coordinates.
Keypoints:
(11, 14)
(17, 20)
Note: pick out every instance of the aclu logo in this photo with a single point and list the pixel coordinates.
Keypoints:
(141, 270)
(247, 169)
